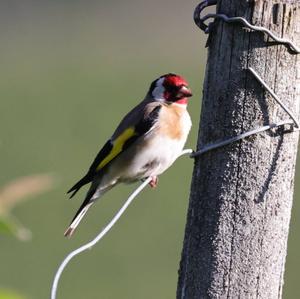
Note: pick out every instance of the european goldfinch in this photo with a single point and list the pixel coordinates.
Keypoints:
(147, 142)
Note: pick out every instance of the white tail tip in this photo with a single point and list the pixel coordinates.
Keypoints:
(71, 229)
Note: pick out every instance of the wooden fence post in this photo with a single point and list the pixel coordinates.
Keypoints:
(241, 195)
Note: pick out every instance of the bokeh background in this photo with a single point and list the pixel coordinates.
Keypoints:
(69, 71)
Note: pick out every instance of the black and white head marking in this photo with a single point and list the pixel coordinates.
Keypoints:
(158, 89)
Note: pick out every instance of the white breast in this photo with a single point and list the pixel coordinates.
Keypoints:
(151, 156)
(160, 151)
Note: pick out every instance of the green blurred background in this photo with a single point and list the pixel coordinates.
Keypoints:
(69, 71)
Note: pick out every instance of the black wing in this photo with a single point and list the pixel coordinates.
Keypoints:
(142, 127)
(106, 149)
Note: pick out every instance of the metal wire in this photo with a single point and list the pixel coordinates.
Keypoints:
(294, 122)
(283, 106)
(222, 143)
(200, 23)
(90, 244)
(197, 12)
(103, 232)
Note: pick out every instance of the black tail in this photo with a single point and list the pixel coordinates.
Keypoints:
(81, 211)
(85, 180)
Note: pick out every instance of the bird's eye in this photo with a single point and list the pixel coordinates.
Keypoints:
(173, 88)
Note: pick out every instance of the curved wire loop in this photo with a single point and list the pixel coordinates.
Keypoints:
(102, 233)
(200, 22)
(197, 13)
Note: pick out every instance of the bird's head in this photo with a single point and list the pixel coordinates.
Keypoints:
(170, 88)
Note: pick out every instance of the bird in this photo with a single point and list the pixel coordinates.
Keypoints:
(145, 143)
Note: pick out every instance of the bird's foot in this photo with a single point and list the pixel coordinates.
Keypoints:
(154, 181)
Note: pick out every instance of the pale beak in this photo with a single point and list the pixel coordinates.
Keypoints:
(185, 91)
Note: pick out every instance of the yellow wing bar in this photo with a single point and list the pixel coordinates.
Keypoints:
(118, 144)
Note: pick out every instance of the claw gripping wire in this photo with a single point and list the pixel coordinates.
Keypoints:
(200, 22)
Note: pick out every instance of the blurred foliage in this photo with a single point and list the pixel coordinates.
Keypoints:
(16, 192)
(7, 294)
(11, 195)
(9, 227)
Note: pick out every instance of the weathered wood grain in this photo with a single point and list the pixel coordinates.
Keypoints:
(241, 195)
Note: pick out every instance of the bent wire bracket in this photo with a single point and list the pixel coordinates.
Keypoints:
(200, 22)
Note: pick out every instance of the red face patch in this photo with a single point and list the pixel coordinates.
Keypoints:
(173, 89)
(174, 80)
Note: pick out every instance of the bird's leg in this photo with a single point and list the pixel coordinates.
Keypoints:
(154, 181)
